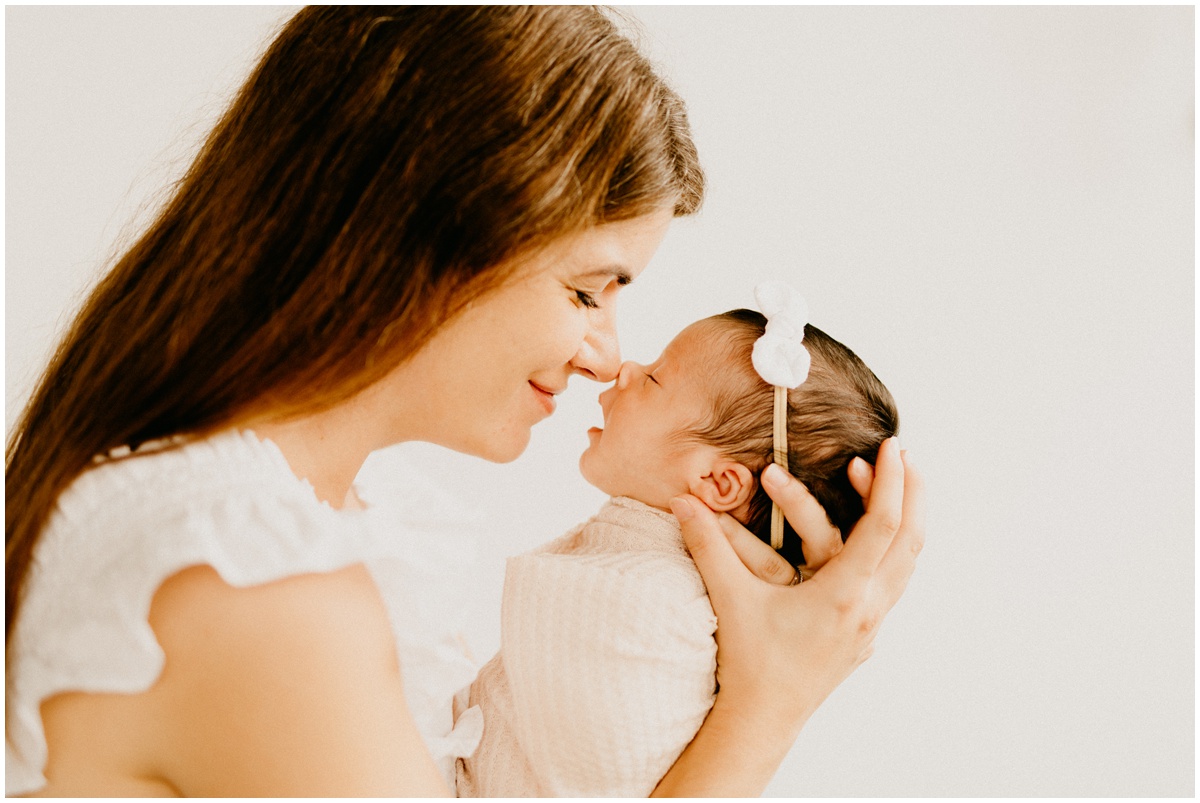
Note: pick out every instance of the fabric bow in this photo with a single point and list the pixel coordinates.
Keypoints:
(779, 355)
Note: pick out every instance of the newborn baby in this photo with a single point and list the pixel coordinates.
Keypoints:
(607, 662)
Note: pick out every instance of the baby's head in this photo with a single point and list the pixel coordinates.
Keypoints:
(699, 420)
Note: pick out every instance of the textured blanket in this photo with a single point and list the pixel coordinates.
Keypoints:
(607, 663)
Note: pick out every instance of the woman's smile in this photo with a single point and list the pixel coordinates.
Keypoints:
(544, 397)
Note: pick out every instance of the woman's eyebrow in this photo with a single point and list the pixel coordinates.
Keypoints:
(622, 275)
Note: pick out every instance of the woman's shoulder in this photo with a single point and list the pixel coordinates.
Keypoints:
(198, 521)
(306, 667)
(342, 607)
(289, 687)
(126, 525)
(229, 500)
(173, 478)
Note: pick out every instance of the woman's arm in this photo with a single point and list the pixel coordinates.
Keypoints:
(781, 650)
(284, 689)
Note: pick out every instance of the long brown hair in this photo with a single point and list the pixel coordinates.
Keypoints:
(370, 176)
(840, 412)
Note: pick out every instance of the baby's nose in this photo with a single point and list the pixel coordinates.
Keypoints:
(627, 369)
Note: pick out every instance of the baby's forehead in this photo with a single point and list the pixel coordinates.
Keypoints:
(702, 346)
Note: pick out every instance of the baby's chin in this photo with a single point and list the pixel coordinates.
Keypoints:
(597, 477)
(589, 475)
(618, 486)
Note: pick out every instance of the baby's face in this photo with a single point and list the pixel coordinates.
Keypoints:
(634, 454)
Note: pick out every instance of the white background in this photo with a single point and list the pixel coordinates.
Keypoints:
(993, 206)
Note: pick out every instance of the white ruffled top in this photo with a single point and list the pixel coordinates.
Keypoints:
(230, 501)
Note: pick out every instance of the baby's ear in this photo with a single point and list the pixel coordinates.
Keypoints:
(727, 487)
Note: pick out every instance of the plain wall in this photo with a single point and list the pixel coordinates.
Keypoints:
(993, 206)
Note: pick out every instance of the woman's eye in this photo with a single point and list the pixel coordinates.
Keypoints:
(587, 299)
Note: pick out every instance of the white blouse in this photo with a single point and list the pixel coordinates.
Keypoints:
(232, 502)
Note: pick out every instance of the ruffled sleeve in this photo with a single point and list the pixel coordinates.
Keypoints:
(230, 502)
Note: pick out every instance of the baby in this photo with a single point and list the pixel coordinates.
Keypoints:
(607, 661)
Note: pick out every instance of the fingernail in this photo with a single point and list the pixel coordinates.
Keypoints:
(682, 508)
(774, 477)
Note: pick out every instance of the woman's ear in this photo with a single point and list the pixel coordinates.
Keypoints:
(728, 486)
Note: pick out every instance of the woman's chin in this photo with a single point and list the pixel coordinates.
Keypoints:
(508, 452)
(500, 447)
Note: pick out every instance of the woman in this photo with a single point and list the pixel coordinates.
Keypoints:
(411, 224)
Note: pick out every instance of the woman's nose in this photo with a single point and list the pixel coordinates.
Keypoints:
(599, 357)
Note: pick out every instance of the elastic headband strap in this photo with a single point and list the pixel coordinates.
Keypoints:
(781, 459)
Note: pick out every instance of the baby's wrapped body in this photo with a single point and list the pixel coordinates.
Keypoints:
(607, 666)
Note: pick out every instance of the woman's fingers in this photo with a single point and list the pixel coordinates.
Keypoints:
(820, 538)
(871, 538)
(861, 474)
(757, 556)
(901, 558)
(718, 562)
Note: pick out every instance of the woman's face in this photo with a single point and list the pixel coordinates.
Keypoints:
(492, 372)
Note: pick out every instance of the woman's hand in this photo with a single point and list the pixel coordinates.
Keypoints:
(782, 649)
(825, 627)
(820, 538)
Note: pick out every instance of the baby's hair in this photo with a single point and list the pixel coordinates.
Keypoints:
(840, 412)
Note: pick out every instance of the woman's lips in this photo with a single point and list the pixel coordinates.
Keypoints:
(545, 397)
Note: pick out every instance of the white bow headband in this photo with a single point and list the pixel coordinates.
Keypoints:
(781, 360)
(779, 355)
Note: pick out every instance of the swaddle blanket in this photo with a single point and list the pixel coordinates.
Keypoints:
(607, 663)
